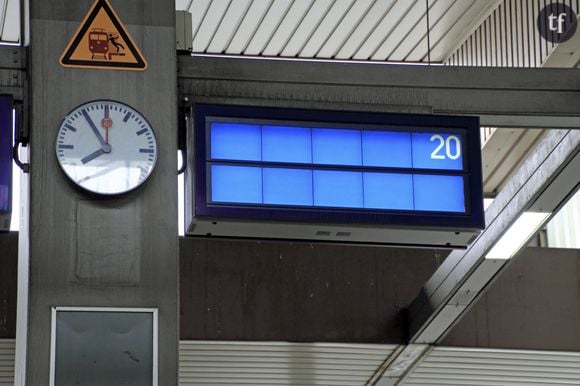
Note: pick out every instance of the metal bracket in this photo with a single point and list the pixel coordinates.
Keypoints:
(183, 114)
(20, 136)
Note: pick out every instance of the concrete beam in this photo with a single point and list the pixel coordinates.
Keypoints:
(503, 97)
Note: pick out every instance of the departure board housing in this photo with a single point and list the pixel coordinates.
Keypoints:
(6, 130)
(351, 172)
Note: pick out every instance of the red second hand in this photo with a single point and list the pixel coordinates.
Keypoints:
(106, 123)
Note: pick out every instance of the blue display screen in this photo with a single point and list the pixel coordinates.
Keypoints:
(329, 146)
(282, 164)
(5, 153)
(372, 180)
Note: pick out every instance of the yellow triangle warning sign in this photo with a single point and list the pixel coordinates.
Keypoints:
(102, 42)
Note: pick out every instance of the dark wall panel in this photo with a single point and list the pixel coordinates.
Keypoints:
(250, 290)
(534, 304)
(268, 290)
(8, 285)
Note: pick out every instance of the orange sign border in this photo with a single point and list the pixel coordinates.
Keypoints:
(65, 58)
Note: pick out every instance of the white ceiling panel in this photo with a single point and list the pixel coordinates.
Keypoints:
(210, 23)
(440, 25)
(249, 26)
(182, 5)
(268, 27)
(459, 27)
(292, 20)
(327, 26)
(345, 28)
(409, 19)
(3, 8)
(9, 21)
(364, 29)
(229, 25)
(377, 30)
(198, 10)
(418, 31)
(383, 30)
(307, 27)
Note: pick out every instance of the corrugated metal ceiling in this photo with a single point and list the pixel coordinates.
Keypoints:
(7, 349)
(487, 367)
(377, 30)
(279, 363)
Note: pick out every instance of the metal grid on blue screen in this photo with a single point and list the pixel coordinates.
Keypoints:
(439, 193)
(236, 184)
(236, 142)
(387, 149)
(437, 151)
(335, 188)
(336, 147)
(286, 144)
(283, 186)
(338, 189)
(356, 174)
(329, 146)
(388, 191)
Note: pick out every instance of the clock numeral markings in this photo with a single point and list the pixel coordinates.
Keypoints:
(144, 172)
(142, 131)
(66, 146)
(127, 116)
(71, 128)
(146, 151)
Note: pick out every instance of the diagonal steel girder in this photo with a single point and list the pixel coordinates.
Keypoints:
(550, 174)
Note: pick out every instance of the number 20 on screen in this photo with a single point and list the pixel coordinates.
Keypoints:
(449, 147)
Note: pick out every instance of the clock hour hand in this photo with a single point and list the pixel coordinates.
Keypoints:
(92, 156)
(95, 130)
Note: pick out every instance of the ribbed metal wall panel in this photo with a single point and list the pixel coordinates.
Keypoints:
(564, 229)
(277, 363)
(378, 30)
(508, 37)
(486, 133)
(488, 367)
(7, 352)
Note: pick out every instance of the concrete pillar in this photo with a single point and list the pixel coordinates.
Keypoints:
(87, 250)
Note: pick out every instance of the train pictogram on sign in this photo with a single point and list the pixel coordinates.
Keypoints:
(102, 42)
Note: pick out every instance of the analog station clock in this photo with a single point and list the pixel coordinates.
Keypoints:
(106, 147)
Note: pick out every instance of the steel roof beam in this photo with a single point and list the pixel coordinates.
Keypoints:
(502, 97)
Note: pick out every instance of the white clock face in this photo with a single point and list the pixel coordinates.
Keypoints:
(106, 147)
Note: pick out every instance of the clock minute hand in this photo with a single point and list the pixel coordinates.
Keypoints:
(95, 130)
